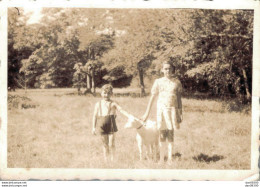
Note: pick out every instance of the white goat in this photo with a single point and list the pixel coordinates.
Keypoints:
(147, 137)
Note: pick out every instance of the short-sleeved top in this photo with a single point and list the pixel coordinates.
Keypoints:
(167, 91)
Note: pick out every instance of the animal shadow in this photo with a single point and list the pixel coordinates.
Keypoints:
(174, 156)
(205, 158)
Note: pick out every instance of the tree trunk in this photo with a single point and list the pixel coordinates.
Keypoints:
(141, 81)
(88, 53)
(248, 95)
(93, 81)
(93, 54)
(25, 84)
(88, 90)
(78, 90)
(79, 80)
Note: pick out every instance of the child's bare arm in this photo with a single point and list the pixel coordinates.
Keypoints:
(154, 93)
(179, 98)
(179, 103)
(94, 120)
(149, 106)
(121, 110)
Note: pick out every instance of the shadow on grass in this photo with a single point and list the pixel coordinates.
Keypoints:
(205, 158)
(174, 156)
(177, 155)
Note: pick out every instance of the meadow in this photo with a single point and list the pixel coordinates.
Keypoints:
(54, 131)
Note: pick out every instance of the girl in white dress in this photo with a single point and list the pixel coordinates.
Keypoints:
(169, 108)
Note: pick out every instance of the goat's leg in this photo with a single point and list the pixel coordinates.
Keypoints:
(151, 148)
(149, 152)
(140, 147)
(155, 150)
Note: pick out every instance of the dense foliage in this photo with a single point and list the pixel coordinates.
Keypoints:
(211, 49)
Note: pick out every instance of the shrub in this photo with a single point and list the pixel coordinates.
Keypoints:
(20, 102)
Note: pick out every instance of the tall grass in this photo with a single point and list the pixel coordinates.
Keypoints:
(57, 134)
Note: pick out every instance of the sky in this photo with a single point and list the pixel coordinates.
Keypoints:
(36, 13)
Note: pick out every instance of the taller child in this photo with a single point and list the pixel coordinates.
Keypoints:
(169, 108)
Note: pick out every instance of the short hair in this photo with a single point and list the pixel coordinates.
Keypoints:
(108, 88)
(169, 63)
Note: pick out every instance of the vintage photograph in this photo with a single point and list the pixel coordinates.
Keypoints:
(128, 88)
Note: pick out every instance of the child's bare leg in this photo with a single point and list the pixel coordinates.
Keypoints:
(162, 144)
(169, 132)
(162, 151)
(111, 139)
(170, 145)
(105, 146)
(170, 150)
(106, 152)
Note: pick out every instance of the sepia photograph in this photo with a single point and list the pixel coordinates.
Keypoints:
(131, 89)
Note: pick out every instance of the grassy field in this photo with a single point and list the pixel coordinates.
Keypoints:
(56, 133)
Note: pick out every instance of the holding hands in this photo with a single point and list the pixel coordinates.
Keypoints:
(144, 117)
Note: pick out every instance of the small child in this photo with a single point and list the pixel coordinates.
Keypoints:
(104, 121)
(169, 108)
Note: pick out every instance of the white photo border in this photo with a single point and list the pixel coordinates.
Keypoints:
(130, 174)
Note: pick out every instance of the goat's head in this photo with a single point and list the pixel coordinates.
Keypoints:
(132, 123)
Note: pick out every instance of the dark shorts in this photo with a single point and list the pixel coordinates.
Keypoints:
(166, 134)
(106, 124)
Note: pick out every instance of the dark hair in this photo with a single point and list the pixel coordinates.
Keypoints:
(169, 63)
(108, 88)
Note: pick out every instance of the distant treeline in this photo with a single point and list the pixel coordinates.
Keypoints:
(85, 48)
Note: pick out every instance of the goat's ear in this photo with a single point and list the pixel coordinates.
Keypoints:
(128, 125)
(130, 122)
(131, 118)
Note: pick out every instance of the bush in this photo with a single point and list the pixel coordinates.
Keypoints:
(20, 102)
(235, 105)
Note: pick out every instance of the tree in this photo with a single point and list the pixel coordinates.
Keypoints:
(78, 76)
(224, 50)
(53, 61)
(95, 40)
(18, 47)
(146, 35)
(211, 49)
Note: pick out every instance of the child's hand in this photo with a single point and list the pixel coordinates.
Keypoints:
(144, 117)
(176, 126)
(180, 111)
(94, 131)
(180, 116)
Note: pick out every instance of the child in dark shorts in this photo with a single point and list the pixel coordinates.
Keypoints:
(104, 121)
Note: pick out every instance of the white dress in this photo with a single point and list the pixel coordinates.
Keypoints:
(168, 91)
